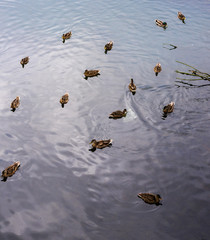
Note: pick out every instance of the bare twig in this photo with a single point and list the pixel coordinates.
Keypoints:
(194, 73)
(187, 65)
(172, 46)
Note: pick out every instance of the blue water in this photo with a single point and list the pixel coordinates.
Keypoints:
(64, 191)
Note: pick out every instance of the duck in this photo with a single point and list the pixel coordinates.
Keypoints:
(100, 144)
(64, 99)
(15, 103)
(169, 108)
(161, 23)
(132, 87)
(157, 68)
(181, 16)
(66, 36)
(150, 198)
(108, 46)
(91, 73)
(9, 171)
(118, 114)
(24, 61)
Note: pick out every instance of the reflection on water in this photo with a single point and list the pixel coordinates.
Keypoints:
(64, 191)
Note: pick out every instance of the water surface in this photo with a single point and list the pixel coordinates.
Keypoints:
(64, 191)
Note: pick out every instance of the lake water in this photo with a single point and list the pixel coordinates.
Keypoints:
(62, 190)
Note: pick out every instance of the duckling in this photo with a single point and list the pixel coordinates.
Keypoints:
(108, 46)
(181, 16)
(15, 103)
(91, 73)
(161, 23)
(9, 171)
(64, 99)
(157, 68)
(132, 87)
(169, 108)
(150, 198)
(100, 144)
(24, 61)
(118, 114)
(66, 36)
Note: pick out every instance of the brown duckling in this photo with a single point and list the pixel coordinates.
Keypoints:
(150, 198)
(64, 99)
(169, 108)
(118, 114)
(157, 68)
(181, 16)
(24, 61)
(108, 46)
(66, 36)
(161, 23)
(91, 73)
(132, 87)
(15, 103)
(9, 171)
(100, 144)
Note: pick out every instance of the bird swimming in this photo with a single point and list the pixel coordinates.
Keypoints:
(108, 46)
(64, 99)
(24, 61)
(168, 109)
(15, 103)
(181, 16)
(66, 36)
(132, 87)
(9, 171)
(118, 114)
(150, 198)
(91, 73)
(161, 23)
(100, 144)
(157, 68)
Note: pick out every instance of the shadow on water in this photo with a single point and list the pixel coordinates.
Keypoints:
(164, 116)
(189, 85)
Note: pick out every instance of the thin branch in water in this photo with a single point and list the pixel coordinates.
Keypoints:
(190, 74)
(173, 46)
(194, 73)
(185, 79)
(187, 65)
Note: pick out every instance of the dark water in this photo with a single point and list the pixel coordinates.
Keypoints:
(64, 191)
